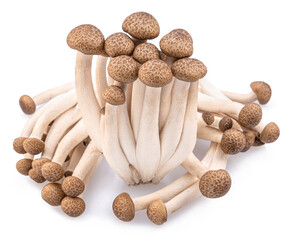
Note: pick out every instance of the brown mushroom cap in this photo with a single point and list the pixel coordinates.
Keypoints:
(141, 25)
(188, 69)
(249, 140)
(145, 52)
(123, 69)
(155, 73)
(73, 207)
(215, 183)
(114, 95)
(87, 39)
(232, 141)
(27, 104)
(33, 146)
(18, 145)
(257, 142)
(250, 115)
(123, 207)
(156, 212)
(119, 44)
(270, 133)
(52, 171)
(23, 166)
(208, 117)
(36, 177)
(183, 31)
(225, 123)
(38, 163)
(53, 194)
(176, 44)
(73, 186)
(262, 90)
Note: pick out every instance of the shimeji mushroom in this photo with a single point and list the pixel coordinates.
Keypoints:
(53, 109)
(124, 207)
(74, 185)
(186, 72)
(54, 171)
(214, 183)
(75, 206)
(169, 45)
(24, 165)
(208, 117)
(59, 129)
(28, 104)
(155, 74)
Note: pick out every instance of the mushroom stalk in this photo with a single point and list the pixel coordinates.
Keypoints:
(101, 79)
(28, 104)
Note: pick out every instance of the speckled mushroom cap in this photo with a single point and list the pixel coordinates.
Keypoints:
(188, 69)
(23, 166)
(208, 117)
(119, 44)
(73, 186)
(225, 123)
(123, 69)
(73, 207)
(145, 52)
(232, 141)
(36, 177)
(27, 104)
(114, 95)
(52, 171)
(176, 44)
(87, 39)
(141, 25)
(183, 31)
(123, 207)
(38, 163)
(262, 90)
(33, 146)
(249, 140)
(250, 115)
(155, 73)
(270, 133)
(18, 145)
(156, 212)
(53, 194)
(215, 183)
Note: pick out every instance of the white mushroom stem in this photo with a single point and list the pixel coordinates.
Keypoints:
(112, 149)
(53, 109)
(138, 95)
(209, 89)
(76, 135)
(240, 97)
(87, 100)
(171, 132)
(101, 79)
(51, 93)
(129, 98)
(88, 160)
(165, 100)
(148, 141)
(59, 128)
(76, 156)
(188, 137)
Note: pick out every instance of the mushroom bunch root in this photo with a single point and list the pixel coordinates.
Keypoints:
(142, 113)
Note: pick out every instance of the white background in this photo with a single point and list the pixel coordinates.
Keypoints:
(239, 41)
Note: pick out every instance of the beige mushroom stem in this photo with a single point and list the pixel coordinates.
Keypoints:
(188, 137)
(53, 171)
(73, 185)
(53, 109)
(112, 148)
(125, 207)
(75, 206)
(87, 100)
(101, 79)
(28, 104)
(129, 98)
(158, 211)
(171, 132)
(24, 165)
(138, 95)
(148, 141)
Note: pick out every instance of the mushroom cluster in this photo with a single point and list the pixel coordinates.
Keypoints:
(143, 114)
